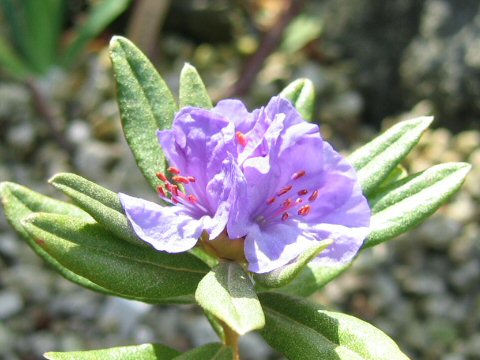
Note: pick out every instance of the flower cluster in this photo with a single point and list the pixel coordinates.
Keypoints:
(264, 181)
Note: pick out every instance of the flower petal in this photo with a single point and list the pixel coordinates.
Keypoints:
(234, 110)
(272, 247)
(165, 228)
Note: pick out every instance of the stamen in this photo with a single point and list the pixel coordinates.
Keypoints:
(241, 138)
(161, 191)
(285, 216)
(271, 200)
(314, 196)
(191, 178)
(304, 210)
(303, 192)
(161, 176)
(175, 200)
(298, 175)
(180, 179)
(298, 201)
(287, 203)
(284, 190)
(173, 170)
(192, 198)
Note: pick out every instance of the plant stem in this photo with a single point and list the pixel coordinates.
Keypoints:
(231, 339)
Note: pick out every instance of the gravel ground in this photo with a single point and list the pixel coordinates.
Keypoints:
(423, 288)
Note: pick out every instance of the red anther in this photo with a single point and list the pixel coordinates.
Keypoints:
(304, 210)
(192, 198)
(303, 192)
(241, 138)
(314, 196)
(175, 200)
(284, 190)
(162, 176)
(173, 170)
(286, 204)
(161, 191)
(174, 190)
(271, 200)
(298, 175)
(285, 216)
(191, 178)
(180, 179)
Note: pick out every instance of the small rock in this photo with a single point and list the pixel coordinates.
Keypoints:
(467, 141)
(122, 313)
(466, 276)
(253, 347)
(21, 136)
(10, 303)
(439, 231)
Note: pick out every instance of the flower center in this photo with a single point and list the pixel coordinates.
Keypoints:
(290, 207)
(173, 191)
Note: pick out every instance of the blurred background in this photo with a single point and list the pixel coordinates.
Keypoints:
(373, 63)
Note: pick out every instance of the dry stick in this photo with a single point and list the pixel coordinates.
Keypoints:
(44, 107)
(269, 43)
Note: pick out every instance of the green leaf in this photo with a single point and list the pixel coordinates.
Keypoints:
(408, 202)
(287, 273)
(303, 330)
(398, 173)
(19, 202)
(136, 352)
(87, 249)
(312, 278)
(192, 90)
(376, 160)
(213, 351)
(301, 93)
(100, 15)
(11, 62)
(102, 204)
(146, 105)
(228, 294)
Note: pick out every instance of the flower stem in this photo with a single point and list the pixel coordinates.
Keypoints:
(231, 339)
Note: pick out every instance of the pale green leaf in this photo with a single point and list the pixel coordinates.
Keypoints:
(135, 352)
(301, 93)
(228, 293)
(146, 105)
(377, 159)
(130, 271)
(303, 330)
(192, 90)
(208, 352)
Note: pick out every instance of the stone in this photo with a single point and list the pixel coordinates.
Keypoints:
(10, 303)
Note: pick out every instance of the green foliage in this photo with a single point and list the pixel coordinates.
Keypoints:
(377, 159)
(228, 293)
(303, 330)
(208, 352)
(87, 249)
(137, 352)
(146, 105)
(192, 91)
(407, 202)
(287, 273)
(34, 29)
(301, 93)
(19, 202)
(102, 204)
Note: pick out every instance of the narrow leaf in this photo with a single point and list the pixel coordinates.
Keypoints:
(102, 204)
(192, 90)
(301, 93)
(99, 16)
(287, 273)
(410, 201)
(19, 202)
(11, 62)
(228, 294)
(312, 278)
(146, 105)
(376, 160)
(86, 248)
(207, 352)
(136, 352)
(303, 330)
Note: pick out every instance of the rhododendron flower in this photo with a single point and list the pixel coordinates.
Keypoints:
(264, 177)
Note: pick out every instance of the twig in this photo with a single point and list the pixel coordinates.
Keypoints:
(44, 108)
(268, 44)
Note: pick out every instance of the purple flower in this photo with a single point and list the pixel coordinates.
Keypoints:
(265, 177)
